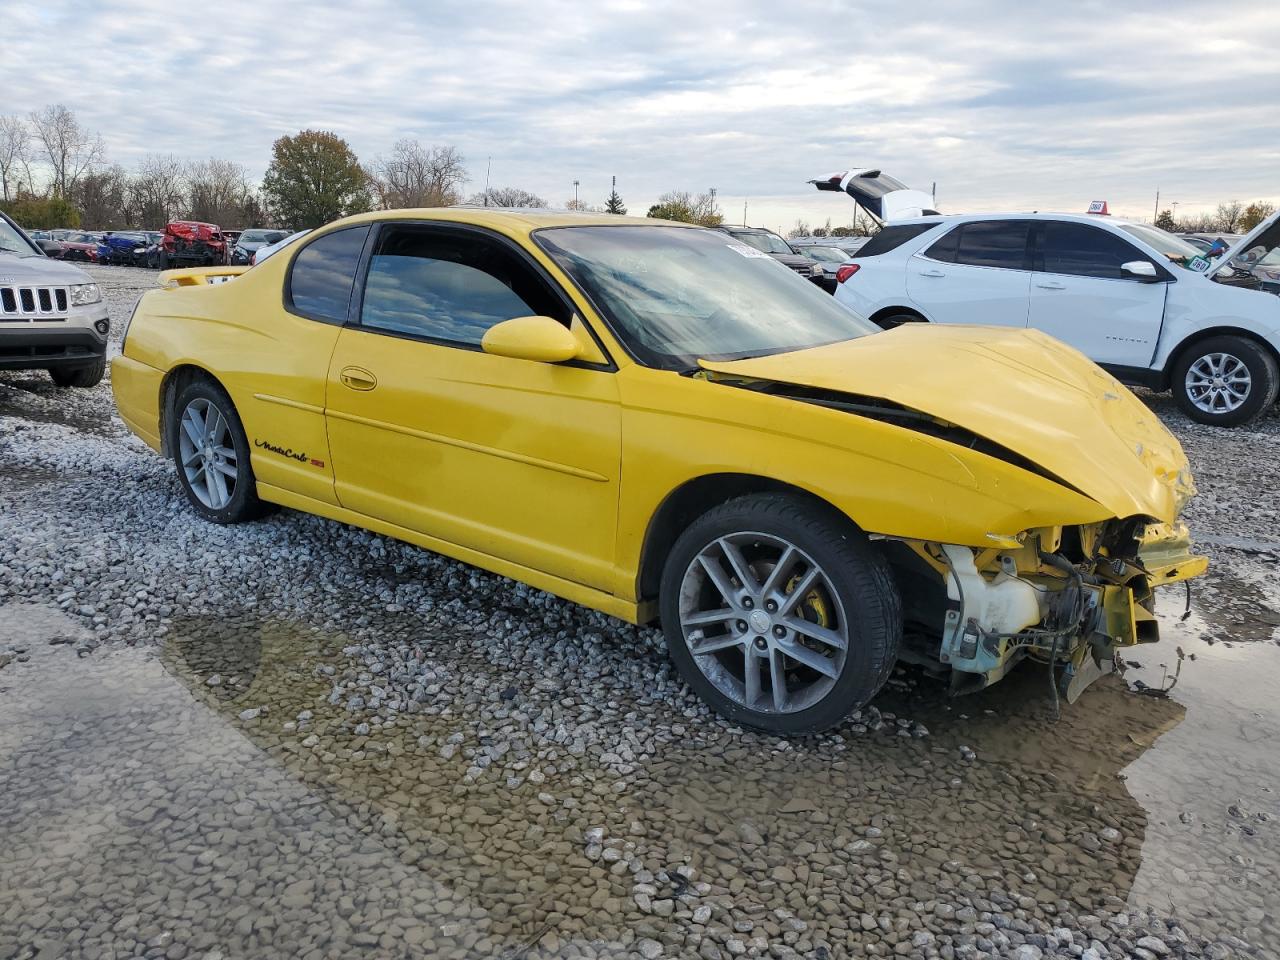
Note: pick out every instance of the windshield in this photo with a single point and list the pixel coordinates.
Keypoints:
(12, 241)
(825, 254)
(764, 242)
(1175, 249)
(262, 236)
(675, 295)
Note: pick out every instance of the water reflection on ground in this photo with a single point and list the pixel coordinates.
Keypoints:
(206, 799)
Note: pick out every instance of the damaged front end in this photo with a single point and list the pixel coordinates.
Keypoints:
(1072, 596)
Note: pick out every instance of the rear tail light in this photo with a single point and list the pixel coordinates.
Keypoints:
(846, 271)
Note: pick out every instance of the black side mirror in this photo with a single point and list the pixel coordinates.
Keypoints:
(51, 248)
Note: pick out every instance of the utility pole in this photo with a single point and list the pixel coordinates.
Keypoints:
(1157, 214)
(744, 213)
(575, 193)
(488, 165)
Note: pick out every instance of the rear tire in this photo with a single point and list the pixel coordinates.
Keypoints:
(799, 624)
(1225, 381)
(83, 377)
(211, 454)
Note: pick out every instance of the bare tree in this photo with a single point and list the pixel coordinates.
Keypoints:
(69, 148)
(418, 176)
(507, 197)
(218, 192)
(102, 197)
(1229, 216)
(156, 192)
(15, 152)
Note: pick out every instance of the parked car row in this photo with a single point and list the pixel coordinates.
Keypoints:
(181, 243)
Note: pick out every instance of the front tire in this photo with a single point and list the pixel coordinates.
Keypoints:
(779, 613)
(211, 454)
(82, 377)
(1225, 381)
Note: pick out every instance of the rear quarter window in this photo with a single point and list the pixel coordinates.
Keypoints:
(890, 238)
(323, 275)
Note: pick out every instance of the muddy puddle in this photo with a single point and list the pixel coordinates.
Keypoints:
(206, 798)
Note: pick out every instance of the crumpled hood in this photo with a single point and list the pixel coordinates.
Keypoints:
(1019, 388)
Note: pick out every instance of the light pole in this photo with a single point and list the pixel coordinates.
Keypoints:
(575, 193)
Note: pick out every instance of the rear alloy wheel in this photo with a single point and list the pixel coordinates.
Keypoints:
(779, 613)
(212, 455)
(1226, 381)
(86, 376)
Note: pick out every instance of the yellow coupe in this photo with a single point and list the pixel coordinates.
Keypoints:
(662, 423)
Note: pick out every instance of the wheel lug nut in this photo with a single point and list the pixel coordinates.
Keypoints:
(779, 632)
(747, 602)
(770, 606)
(742, 626)
(760, 643)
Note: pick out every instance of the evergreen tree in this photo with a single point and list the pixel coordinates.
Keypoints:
(614, 203)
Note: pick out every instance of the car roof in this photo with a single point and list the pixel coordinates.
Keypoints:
(1092, 218)
(523, 220)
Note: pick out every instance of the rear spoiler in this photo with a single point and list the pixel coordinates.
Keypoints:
(197, 276)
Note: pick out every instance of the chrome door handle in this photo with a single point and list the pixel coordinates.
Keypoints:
(357, 378)
(1050, 285)
(932, 273)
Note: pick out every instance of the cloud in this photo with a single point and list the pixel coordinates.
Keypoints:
(1000, 104)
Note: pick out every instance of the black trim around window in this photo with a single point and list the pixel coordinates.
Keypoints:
(445, 226)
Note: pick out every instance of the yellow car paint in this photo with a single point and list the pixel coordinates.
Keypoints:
(554, 474)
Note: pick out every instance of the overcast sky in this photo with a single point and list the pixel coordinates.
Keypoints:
(1002, 105)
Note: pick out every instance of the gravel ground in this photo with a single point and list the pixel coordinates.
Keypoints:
(296, 738)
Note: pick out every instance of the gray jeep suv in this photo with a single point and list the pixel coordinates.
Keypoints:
(51, 314)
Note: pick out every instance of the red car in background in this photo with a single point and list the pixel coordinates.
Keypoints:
(192, 242)
(80, 246)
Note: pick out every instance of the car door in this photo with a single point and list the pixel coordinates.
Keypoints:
(1080, 294)
(515, 459)
(978, 272)
(282, 356)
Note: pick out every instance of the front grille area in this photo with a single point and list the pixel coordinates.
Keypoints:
(33, 303)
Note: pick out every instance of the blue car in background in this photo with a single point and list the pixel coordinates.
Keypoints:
(118, 247)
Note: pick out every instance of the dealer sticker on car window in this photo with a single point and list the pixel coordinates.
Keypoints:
(1199, 264)
(746, 250)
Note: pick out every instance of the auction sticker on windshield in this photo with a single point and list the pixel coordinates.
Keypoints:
(747, 251)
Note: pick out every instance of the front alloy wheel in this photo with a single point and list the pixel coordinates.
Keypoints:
(779, 613)
(763, 623)
(1225, 380)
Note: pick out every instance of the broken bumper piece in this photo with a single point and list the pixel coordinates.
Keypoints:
(1073, 599)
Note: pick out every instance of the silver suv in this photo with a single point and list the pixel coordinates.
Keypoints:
(51, 314)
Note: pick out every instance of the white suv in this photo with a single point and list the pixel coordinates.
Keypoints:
(1137, 300)
(51, 314)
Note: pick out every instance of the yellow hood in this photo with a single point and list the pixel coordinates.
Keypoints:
(1019, 388)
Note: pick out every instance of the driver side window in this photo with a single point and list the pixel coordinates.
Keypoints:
(449, 286)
